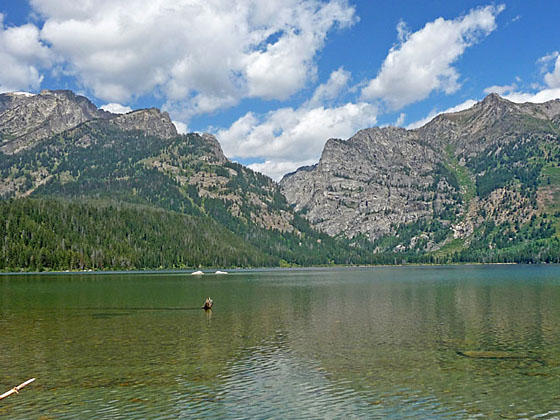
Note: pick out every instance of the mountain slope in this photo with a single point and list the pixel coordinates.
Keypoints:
(58, 235)
(445, 190)
(26, 119)
(138, 158)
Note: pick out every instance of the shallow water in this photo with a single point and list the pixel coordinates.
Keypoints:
(402, 342)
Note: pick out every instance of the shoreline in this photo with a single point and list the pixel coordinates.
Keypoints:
(211, 270)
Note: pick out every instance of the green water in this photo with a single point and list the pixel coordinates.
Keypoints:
(356, 343)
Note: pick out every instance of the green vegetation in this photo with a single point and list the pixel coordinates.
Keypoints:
(47, 234)
(104, 198)
(172, 178)
(520, 163)
(465, 182)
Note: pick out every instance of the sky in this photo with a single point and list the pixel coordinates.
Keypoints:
(274, 80)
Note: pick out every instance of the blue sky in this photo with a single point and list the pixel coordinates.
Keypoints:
(274, 80)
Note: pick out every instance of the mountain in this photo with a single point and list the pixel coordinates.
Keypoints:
(27, 118)
(84, 188)
(68, 151)
(484, 178)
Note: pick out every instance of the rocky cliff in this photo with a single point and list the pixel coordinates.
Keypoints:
(26, 118)
(492, 163)
(152, 122)
(366, 184)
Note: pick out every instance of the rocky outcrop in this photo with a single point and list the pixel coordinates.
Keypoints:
(151, 121)
(26, 119)
(215, 152)
(366, 184)
(385, 177)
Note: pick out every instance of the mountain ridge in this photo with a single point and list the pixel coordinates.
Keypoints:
(486, 164)
(139, 159)
(482, 184)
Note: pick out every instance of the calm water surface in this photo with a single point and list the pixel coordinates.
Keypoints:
(355, 343)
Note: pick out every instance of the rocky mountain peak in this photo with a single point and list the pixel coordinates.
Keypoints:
(215, 148)
(382, 178)
(494, 106)
(28, 118)
(493, 99)
(152, 121)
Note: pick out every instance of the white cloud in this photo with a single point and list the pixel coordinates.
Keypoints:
(22, 55)
(330, 90)
(550, 69)
(116, 108)
(552, 79)
(283, 66)
(200, 55)
(423, 61)
(500, 90)
(462, 106)
(181, 127)
(286, 137)
(547, 59)
(544, 95)
(277, 169)
(400, 119)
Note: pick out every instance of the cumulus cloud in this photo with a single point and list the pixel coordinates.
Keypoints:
(422, 61)
(277, 169)
(286, 137)
(539, 97)
(400, 119)
(547, 59)
(552, 79)
(200, 55)
(550, 69)
(330, 90)
(116, 108)
(500, 90)
(22, 55)
(181, 127)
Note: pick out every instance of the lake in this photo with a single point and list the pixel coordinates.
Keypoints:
(384, 342)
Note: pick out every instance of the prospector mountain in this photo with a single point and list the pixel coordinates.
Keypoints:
(85, 188)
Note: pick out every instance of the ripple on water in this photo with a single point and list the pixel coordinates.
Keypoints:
(378, 343)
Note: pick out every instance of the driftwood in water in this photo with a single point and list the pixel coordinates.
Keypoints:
(502, 355)
(475, 354)
(16, 389)
(208, 303)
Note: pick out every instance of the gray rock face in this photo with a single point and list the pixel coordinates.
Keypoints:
(151, 121)
(383, 177)
(216, 154)
(379, 177)
(26, 119)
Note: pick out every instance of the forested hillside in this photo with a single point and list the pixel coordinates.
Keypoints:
(138, 159)
(41, 234)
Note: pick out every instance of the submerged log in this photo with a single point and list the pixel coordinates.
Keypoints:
(490, 355)
(208, 303)
(16, 389)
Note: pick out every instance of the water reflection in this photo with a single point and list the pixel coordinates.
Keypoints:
(304, 344)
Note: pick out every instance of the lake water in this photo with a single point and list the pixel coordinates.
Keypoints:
(401, 342)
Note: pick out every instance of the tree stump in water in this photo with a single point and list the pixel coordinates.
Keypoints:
(208, 304)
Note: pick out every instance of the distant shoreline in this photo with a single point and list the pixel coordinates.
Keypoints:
(211, 271)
